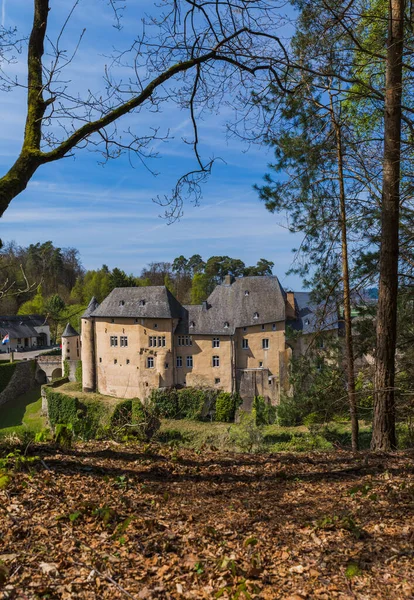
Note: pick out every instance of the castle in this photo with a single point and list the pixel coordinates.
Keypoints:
(142, 338)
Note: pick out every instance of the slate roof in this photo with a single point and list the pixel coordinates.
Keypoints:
(92, 306)
(236, 304)
(313, 318)
(21, 326)
(69, 331)
(151, 302)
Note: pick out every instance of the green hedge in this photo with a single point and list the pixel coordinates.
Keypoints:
(62, 409)
(226, 406)
(6, 373)
(187, 403)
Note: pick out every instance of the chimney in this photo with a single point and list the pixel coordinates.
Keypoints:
(228, 279)
(205, 305)
(290, 305)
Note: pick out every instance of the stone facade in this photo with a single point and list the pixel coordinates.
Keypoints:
(139, 339)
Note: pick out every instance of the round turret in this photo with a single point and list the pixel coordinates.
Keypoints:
(88, 348)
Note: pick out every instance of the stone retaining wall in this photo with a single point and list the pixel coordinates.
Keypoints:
(22, 381)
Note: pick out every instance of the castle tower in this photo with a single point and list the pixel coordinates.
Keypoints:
(71, 349)
(88, 347)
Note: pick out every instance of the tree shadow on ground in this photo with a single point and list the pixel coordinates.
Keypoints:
(12, 413)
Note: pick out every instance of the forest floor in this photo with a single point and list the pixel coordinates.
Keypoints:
(105, 520)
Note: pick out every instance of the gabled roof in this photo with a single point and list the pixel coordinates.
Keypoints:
(313, 317)
(69, 331)
(246, 301)
(152, 302)
(21, 326)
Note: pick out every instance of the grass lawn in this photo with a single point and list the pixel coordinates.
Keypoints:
(196, 434)
(22, 414)
(75, 389)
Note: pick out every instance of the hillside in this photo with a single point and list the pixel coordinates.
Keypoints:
(106, 521)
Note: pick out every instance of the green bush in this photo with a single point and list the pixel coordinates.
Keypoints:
(289, 413)
(145, 419)
(226, 406)
(246, 434)
(122, 415)
(63, 435)
(166, 402)
(191, 402)
(264, 412)
(78, 372)
(6, 373)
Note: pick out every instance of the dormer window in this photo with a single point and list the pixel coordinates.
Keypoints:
(142, 302)
(122, 303)
(306, 321)
(256, 315)
(226, 325)
(192, 324)
(246, 292)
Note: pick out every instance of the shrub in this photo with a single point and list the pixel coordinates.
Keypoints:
(289, 413)
(264, 412)
(6, 373)
(166, 402)
(226, 406)
(122, 415)
(145, 419)
(191, 403)
(63, 435)
(78, 372)
(246, 434)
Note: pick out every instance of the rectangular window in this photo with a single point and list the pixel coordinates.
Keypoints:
(245, 343)
(265, 343)
(216, 361)
(188, 340)
(114, 340)
(115, 361)
(150, 341)
(127, 361)
(180, 340)
(163, 341)
(150, 362)
(244, 328)
(166, 365)
(159, 341)
(189, 362)
(260, 364)
(123, 341)
(217, 380)
(274, 327)
(179, 361)
(263, 327)
(216, 342)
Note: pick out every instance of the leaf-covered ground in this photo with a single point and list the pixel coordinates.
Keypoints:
(106, 521)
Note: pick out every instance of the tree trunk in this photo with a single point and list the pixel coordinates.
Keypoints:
(383, 435)
(346, 287)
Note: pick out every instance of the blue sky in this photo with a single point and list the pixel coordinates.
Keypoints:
(107, 212)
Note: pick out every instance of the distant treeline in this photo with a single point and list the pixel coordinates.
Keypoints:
(60, 288)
